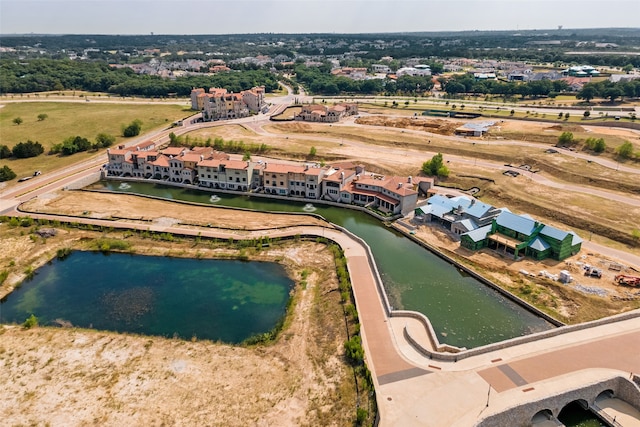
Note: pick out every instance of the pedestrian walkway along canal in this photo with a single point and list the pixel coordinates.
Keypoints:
(463, 311)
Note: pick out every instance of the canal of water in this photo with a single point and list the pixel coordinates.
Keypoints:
(464, 312)
(222, 300)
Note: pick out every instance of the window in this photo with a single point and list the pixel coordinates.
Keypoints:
(281, 183)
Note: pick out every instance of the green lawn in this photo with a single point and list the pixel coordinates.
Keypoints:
(71, 119)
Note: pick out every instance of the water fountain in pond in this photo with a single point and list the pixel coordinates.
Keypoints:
(124, 186)
(214, 198)
(309, 208)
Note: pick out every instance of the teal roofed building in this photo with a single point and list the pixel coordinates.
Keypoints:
(521, 235)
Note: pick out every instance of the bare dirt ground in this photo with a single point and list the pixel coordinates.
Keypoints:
(74, 377)
(439, 126)
(122, 206)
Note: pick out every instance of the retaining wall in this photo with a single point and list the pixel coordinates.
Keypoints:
(521, 415)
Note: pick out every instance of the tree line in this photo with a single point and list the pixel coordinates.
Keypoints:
(41, 75)
(610, 90)
(319, 80)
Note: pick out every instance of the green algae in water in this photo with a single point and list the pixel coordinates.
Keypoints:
(223, 300)
(463, 311)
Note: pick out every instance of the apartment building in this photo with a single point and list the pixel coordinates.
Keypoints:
(219, 104)
(215, 170)
(323, 114)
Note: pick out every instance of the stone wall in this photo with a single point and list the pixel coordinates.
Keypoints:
(522, 415)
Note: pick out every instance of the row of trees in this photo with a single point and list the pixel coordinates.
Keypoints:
(610, 90)
(76, 144)
(319, 80)
(467, 84)
(597, 145)
(22, 150)
(42, 75)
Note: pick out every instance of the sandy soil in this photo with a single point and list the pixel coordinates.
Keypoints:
(76, 377)
(104, 205)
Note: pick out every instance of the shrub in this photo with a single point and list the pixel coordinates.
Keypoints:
(23, 150)
(133, 129)
(354, 351)
(6, 174)
(30, 322)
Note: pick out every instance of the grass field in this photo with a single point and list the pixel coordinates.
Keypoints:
(73, 119)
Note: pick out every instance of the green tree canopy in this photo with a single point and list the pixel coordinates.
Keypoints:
(133, 129)
(6, 174)
(566, 138)
(23, 150)
(435, 167)
(625, 150)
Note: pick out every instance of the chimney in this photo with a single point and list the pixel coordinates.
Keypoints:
(410, 179)
(201, 157)
(399, 185)
(342, 177)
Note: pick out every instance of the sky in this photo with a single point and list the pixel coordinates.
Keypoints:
(308, 16)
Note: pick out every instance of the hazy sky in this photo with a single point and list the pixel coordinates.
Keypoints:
(307, 16)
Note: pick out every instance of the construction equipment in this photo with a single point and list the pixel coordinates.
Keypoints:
(624, 280)
(592, 272)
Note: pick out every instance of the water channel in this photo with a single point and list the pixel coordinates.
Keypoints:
(464, 312)
(224, 300)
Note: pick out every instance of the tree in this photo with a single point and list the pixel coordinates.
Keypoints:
(599, 146)
(312, 151)
(635, 235)
(5, 152)
(104, 140)
(23, 150)
(246, 156)
(18, 121)
(586, 114)
(133, 129)
(6, 174)
(42, 117)
(435, 167)
(566, 138)
(566, 116)
(625, 150)
(613, 93)
(588, 92)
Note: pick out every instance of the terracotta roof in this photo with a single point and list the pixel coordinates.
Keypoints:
(282, 168)
(161, 161)
(173, 151)
(335, 177)
(234, 164)
(209, 163)
(406, 188)
(143, 154)
(387, 199)
(191, 157)
(144, 145)
(314, 171)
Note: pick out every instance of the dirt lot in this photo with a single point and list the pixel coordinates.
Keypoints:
(103, 205)
(439, 126)
(55, 376)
